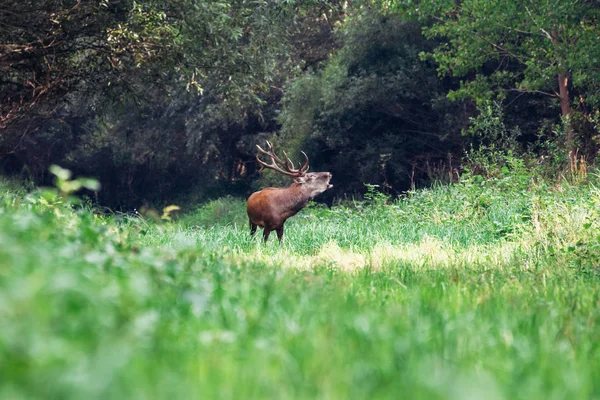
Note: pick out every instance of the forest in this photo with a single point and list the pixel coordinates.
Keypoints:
(452, 253)
(165, 102)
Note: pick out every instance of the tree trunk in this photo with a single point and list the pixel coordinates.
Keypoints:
(565, 108)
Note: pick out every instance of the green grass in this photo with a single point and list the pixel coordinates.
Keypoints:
(483, 290)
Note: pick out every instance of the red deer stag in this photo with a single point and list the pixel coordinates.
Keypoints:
(271, 207)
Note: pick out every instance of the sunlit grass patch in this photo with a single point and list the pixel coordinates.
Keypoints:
(428, 254)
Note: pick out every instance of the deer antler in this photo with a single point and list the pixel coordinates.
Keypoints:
(290, 164)
(277, 164)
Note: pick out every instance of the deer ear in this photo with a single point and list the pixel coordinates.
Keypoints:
(300, 179)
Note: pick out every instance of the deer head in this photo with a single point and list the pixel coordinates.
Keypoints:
(314, 182)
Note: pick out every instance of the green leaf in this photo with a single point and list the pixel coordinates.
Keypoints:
(60, 173)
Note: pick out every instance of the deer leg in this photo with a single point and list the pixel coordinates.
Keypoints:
(252, 229)
(266, 234)
(280, 233)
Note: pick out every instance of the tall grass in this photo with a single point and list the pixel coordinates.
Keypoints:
(486, 290)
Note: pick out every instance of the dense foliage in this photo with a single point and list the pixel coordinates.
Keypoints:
(165, 101)
(548, 47)
(152, 97)
(375, 112)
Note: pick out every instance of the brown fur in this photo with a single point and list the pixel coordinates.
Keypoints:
(271, 207)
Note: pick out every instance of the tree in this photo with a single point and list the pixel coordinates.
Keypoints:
(376, 110)
(550, 47)
(149, 96)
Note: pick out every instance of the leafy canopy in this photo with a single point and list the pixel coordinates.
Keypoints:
(512, 45)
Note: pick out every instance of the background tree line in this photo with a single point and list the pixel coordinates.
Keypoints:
(166, 100)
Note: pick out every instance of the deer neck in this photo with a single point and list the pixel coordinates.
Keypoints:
(300, 196)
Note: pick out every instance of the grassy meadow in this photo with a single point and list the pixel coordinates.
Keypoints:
(478, 290)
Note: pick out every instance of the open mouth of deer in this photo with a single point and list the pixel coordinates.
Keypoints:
(329, 185)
